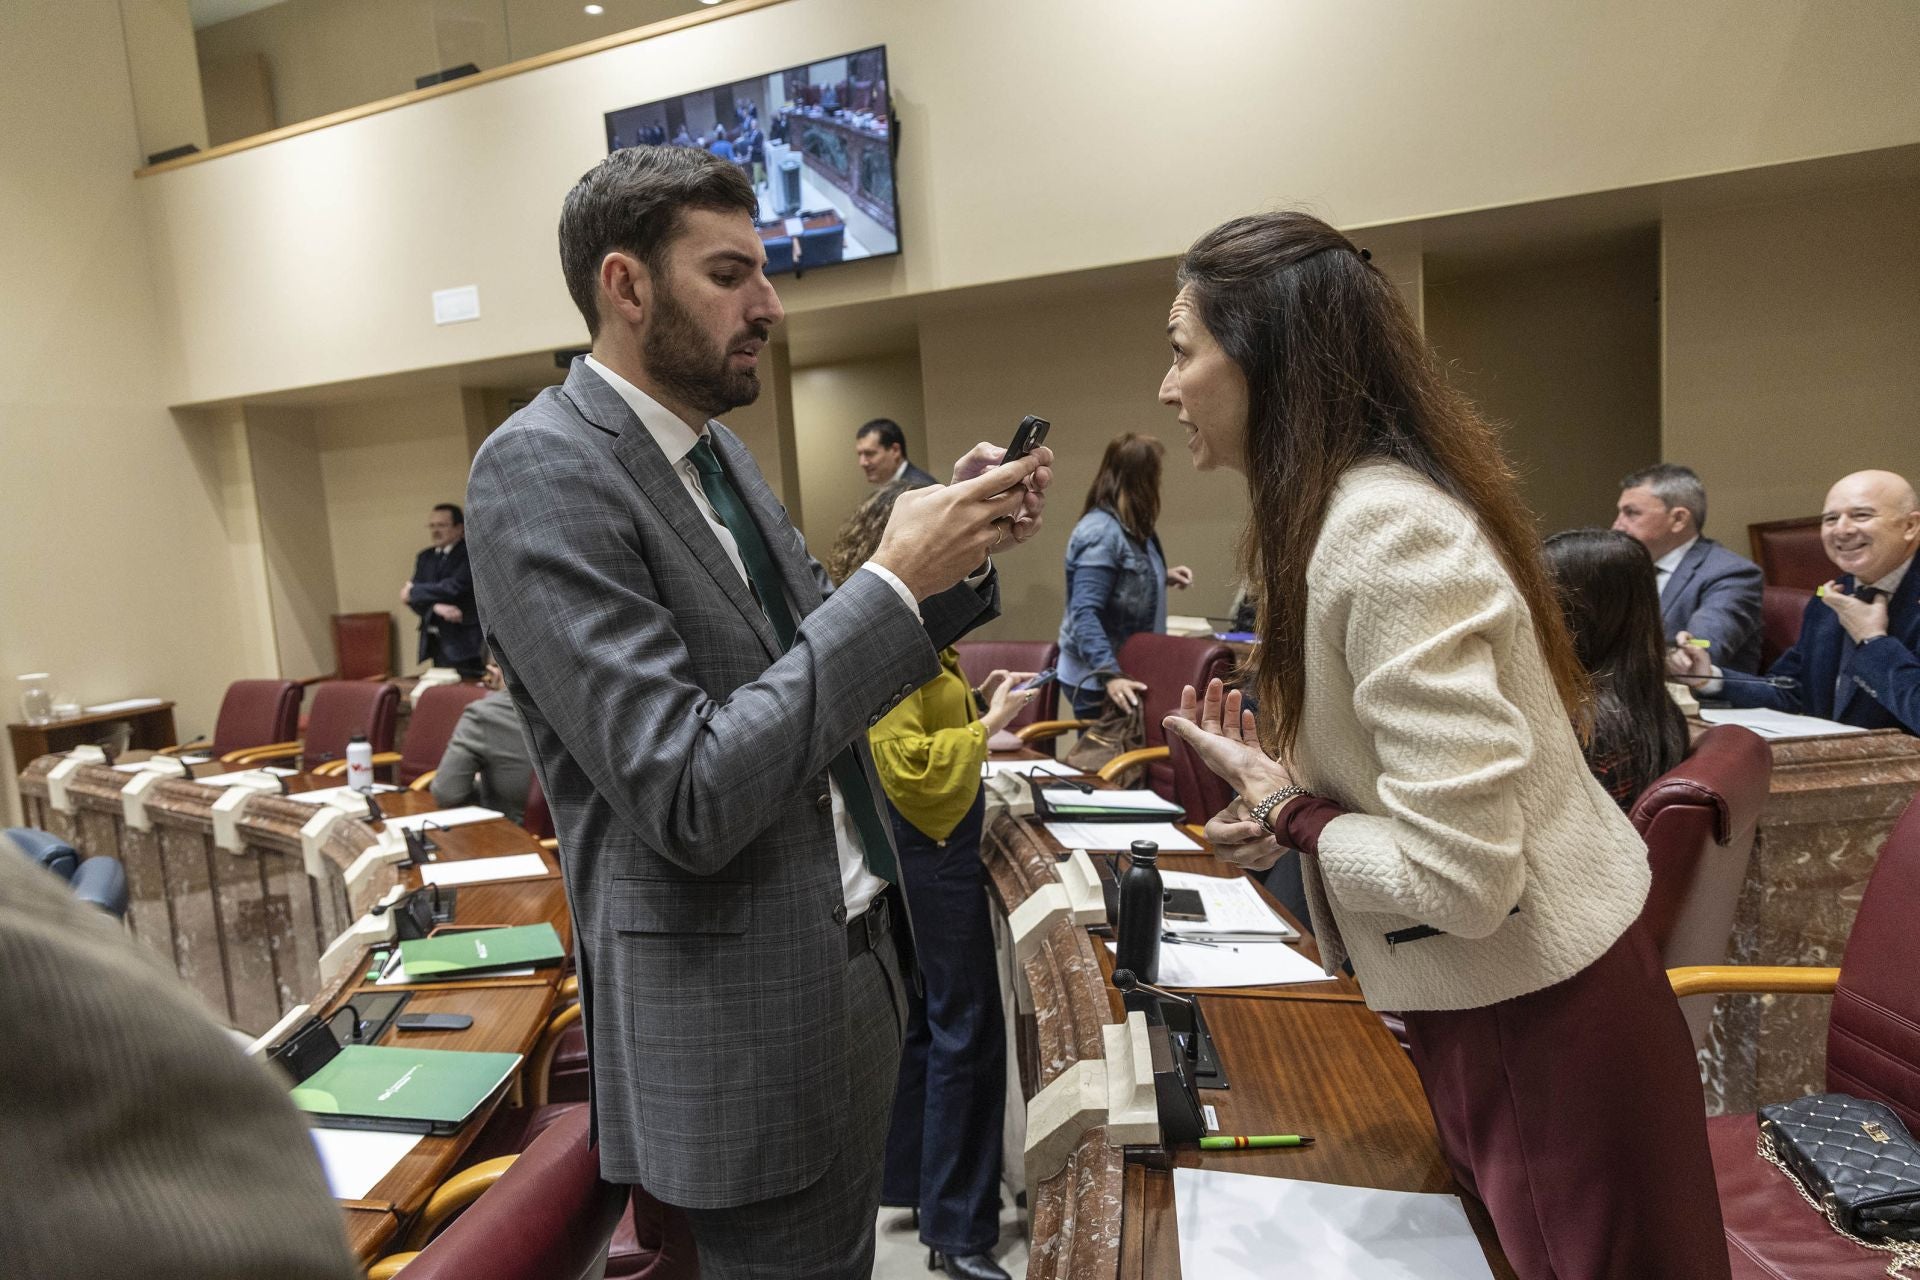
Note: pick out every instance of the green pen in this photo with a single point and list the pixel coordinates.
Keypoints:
(1254, 1143)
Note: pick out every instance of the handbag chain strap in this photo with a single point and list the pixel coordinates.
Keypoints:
(1905, 1255)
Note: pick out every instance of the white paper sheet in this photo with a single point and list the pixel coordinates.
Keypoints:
(1121, 835)
(997, 767)
(1237, 1226)
(125, 704)
(513, 866)
(1778, 724)
(395, 974)
(1229, 964)
(356, 1159)
(443, 818)
(328, 795)
(1146, 802)
(1234, 908)
(228, 779)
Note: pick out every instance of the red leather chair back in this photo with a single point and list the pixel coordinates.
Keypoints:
(538, 818)
(981, 658)
(1165, 664)
(363, 645)
(436, 713)
(548, 1218)
(256, 713)
(342, 708)
(1873, 1033)
(1698, 820)
(1789, 552)
(1781, 610)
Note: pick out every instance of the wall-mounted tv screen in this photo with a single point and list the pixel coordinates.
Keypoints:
(815, 140)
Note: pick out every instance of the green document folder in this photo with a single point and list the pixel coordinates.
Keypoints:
(480, 950)
(409, 1090)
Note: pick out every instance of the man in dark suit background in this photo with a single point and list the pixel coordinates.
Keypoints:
(1706, 591)
(1855, 661)
(880, 447)
(441, 592)
(697, 697)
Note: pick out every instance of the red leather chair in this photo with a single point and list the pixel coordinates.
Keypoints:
(1789, 552)
(547, 1217)
(436, 714)
(362, 646)
(1873, 1051)
(254, 713)
(1165, 664)
(341, 709)
(1781, 609)
(1698, 820)
(537, 817)
(981, 658)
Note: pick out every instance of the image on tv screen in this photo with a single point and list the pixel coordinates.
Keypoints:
(815, 140)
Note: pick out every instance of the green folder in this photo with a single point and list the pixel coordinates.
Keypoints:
(408, 1090)
(480, 951)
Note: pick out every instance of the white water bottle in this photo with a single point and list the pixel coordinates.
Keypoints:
(359, 763)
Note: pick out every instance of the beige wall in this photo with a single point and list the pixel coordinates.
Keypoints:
(312, 260)
(1792, 348)
(295, 532)
(126, 563)
(830, 401)
(1566, 357)
(1091, 364)
(384, 464)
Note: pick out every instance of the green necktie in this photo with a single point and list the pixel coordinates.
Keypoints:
(761, 572)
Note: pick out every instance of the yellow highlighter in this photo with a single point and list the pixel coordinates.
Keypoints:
(1700, 642)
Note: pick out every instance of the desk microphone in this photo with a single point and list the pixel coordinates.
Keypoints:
(1123, 980)
(1075, 783)
(374, 812)
(186, 770)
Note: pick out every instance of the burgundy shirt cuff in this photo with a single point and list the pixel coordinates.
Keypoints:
(1304, 820)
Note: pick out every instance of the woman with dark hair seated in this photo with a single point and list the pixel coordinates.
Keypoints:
(1606, 586)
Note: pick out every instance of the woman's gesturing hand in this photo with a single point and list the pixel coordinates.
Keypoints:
(1238, 839)
(1222, 733)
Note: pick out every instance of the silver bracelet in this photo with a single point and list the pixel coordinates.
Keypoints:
(1267, 806)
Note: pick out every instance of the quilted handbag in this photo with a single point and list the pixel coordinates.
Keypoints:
(1856, 1164)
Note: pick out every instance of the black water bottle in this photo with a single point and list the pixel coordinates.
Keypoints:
(1141, 899)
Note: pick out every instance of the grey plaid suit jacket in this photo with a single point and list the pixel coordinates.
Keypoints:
(685, 761)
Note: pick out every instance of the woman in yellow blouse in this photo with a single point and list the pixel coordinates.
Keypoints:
(943, 1151)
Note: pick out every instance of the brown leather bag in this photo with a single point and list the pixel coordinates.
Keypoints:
(1114, 733)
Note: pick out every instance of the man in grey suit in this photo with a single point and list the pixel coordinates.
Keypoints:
(697, 700)
(1706, 591)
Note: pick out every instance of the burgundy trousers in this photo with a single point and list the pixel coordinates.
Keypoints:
(1575, 1115)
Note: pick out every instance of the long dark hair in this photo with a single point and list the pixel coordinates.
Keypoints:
(1607, 587)
(1338, 374)
(1128, 484)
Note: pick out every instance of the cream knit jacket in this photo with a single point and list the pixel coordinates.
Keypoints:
(1432, 717)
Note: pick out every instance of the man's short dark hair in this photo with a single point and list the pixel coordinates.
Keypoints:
(459, 516)
(1675, 485)
(632, 202)
(889, 432)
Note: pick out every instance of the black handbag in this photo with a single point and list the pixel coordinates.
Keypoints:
(1855, 1163)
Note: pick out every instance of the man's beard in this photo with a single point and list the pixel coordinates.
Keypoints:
(679, 359)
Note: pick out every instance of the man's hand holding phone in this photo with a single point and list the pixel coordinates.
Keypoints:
(1026, 442)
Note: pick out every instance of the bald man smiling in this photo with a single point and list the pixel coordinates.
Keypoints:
(1855, 661)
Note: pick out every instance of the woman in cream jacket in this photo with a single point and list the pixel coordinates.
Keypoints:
(1419, 693)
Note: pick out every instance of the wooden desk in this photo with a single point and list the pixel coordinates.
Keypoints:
(1306, 1058)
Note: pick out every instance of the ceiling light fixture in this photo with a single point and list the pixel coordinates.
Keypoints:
(595, 10)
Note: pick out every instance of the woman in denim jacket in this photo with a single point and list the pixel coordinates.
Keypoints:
(1117, 577)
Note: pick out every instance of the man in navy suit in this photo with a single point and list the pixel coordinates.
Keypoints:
(1706, 591)
(441, 592)
(1855, 661)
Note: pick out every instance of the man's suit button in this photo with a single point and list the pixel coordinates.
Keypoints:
(824, 802)
(840, 914)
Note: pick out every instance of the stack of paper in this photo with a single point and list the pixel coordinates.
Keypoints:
(357, 1159)
(1121, 835)
(1234, 1226)
(516, 866)
(1778, 724)
(1071, 802)
(1053, 767)
(1234, 908)
(341, 797)
(443, 818)
(1233, 964)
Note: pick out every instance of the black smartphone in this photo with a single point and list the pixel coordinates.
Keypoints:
(1037, 679)
(433, 1022)
(1029, 435)
(1184, 904)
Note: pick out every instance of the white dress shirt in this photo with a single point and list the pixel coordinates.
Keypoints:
(858, 886)
(1663, 567)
